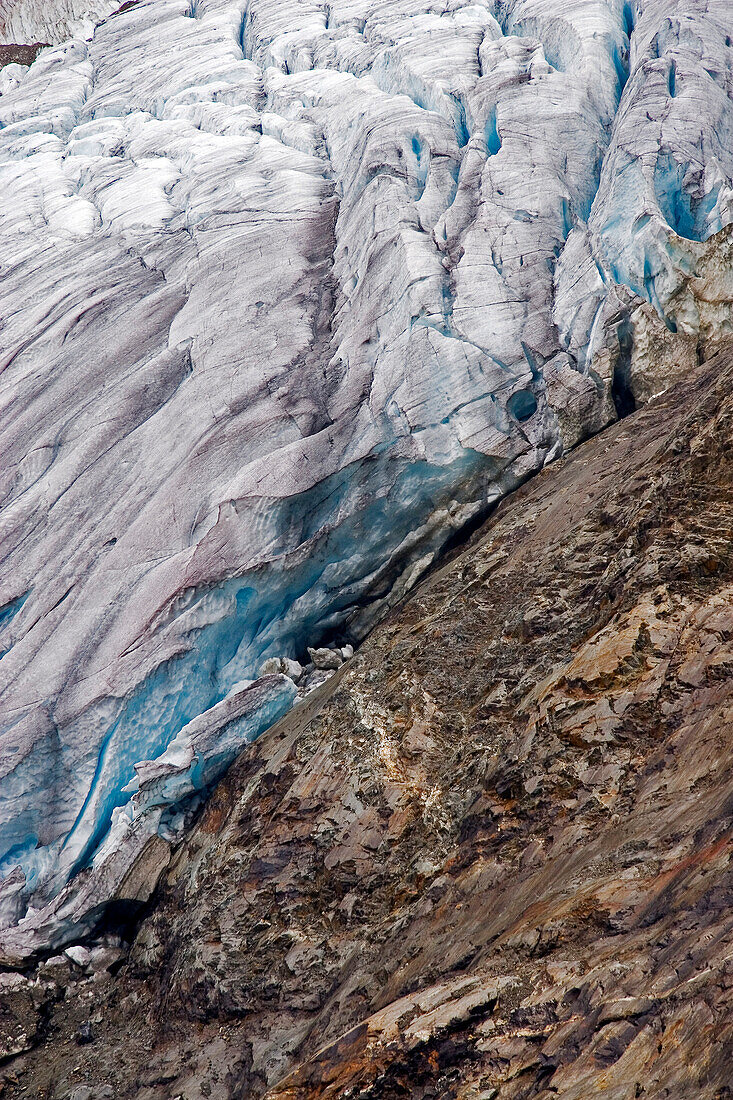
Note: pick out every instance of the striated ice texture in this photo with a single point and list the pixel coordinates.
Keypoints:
(291, 291)
(50, 20)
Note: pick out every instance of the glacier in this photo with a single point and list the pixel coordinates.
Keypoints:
(292, 293)
(31, 21)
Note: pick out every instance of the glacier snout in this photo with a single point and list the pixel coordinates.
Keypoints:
(292, 292)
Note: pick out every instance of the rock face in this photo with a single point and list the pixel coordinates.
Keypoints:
(291, 292)
(491, 857)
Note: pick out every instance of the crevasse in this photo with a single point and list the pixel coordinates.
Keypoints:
(288, 301)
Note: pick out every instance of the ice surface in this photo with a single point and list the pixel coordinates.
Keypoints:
(290, 292)
(50, 20)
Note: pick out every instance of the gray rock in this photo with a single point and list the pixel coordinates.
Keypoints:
(79, 955)
(270, 667)
(85, 1034)
(103, 958)
(282, 666)
(330, 659)
(292, 669)
(314, 680)
(92, 1092)
(55, 969)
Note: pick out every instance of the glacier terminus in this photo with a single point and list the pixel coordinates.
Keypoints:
(292, 292)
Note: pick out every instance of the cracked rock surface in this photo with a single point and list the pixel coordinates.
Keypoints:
(491, 857)
(291, 292)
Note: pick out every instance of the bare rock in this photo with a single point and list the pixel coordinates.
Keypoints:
(282, 666)
(79, 955)
(326, 659)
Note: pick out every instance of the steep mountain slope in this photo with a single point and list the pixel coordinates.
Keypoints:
(491, 858)
(291, 293)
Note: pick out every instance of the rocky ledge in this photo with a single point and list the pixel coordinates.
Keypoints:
(19, 53)
(490, 857)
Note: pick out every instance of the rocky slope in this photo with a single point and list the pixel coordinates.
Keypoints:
(291, 293)
(490, 858)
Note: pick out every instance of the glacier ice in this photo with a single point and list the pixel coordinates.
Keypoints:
(40, 21)
(292, 291)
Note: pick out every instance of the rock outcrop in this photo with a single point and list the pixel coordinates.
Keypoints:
(491, 856)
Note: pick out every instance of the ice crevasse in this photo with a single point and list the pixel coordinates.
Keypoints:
(291, 292)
